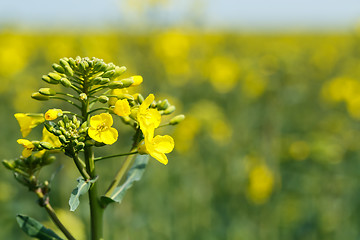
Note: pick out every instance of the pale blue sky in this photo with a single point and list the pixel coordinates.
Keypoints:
(238, 14)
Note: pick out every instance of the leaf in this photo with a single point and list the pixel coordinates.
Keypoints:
(135, 173)
(82, 188)
(35, 229)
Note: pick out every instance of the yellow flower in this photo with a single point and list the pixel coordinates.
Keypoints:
(50, 138)
(28, 147)
(100, 129)
(122, 108)
(157, 146)
(28, 122)
(149, 119)
(53, 114)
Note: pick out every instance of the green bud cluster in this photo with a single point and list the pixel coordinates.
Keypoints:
(71, 132)
(25, 168)
(164, 107)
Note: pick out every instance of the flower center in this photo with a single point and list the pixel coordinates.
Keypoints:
(102, 127)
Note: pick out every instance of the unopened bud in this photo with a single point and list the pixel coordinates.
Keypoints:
(47, 91)
(9, 164)
(163, 105)
(69, 71)
(48, 159)
(62, 139)
(39, 96)
(103, 99)
(72, 63)
(47, 79)
(108, 74)
(177, 119)
(140, 98)
(170, 110)
(83, 96)
(79, 146)
(58, 68)
(65, 82)
(54, 76)
(118, 71)
(46, 145)
(115, 85)
(127, 82)
(104, 81)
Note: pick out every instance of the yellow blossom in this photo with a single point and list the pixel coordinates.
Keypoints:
(53, 114)
(149, 119)
(50, 138)
(100, 129)
(28, 147)
(122, 108)
(157, 146)
(28, 122)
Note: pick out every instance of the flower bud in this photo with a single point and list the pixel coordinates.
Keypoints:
(103, 99)
(170, 110)
(79, 146)
(54, 76)
(72, 63)
(97, 65)
(65, 82)
(47, 79)
(118, 71)
(104, 81)
(163, 105)
(9, 164)
(139, 98)
(83, 96)
(69, 71)
(64, 63)
(62, 139)
(177, 119)
(46, 145)
(142, 148)
(47, 91)
(108, 74)
(39, 96)
(116, 84)
(127, 82)
(58, 68)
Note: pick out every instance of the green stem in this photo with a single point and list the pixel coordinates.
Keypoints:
(98, 109)
(66, 100)
(96, 210)
(80, 167)
(52, 214)
(119, 175)
(116, 155)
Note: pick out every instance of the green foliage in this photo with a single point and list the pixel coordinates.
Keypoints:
(134, 174)
(35, 229)
(82, 187)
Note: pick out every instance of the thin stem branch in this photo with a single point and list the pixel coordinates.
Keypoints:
(119, 175)
(98, 109)
(66, 100)
(52, 214)
(116, 155)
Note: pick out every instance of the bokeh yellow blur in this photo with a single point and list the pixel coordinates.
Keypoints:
(269, 148)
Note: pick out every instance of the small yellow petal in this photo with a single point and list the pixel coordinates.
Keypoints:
(146, 103)
(161, 157)
(137, 80)
(26, 152)
(95, 121)
(164, 144)
(110, 136)
(94, 134)
(107, 119)
(28, 122)
(122, 108)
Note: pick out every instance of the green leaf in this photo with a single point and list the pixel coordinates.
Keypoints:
(35, 229)
(135, 173)
(82, 188)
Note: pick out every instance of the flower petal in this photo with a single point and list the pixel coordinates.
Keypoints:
(146, 103)
(163, 144)
(94, 134)
(109, 136)
(122, 108)
(26, 152)
(161, 157)
(27, 122)
(95, 121)
(107, 119)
